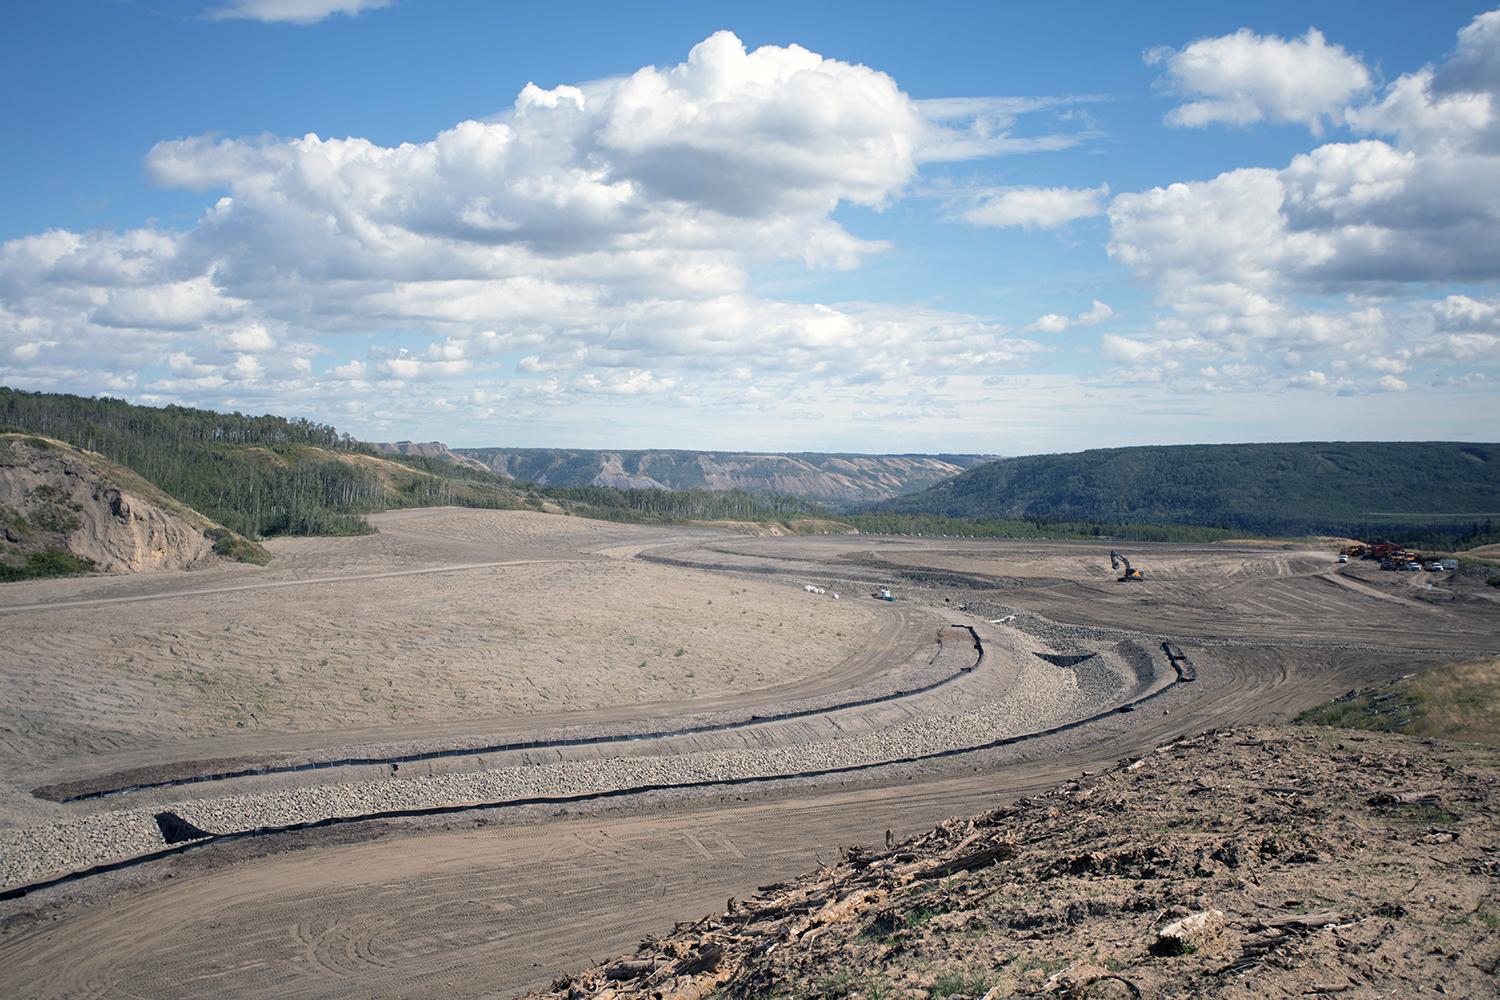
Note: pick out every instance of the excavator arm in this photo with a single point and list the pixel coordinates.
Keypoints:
(1117, 561)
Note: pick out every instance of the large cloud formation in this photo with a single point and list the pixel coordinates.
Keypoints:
(1411, 202)
(594, 229)
(619, 240)
(1244, 78)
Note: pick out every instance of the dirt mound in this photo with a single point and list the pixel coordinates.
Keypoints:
(65, 510)
(1262, 862)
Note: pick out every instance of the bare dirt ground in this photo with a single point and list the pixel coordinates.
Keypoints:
(486, 904)
(1248, 863)
(304, 651)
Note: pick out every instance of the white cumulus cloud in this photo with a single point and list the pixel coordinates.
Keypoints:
(1244, 78)
(1097, 313)
(294, 11)
(1392, 216)
(1036, 207)
(604, 229)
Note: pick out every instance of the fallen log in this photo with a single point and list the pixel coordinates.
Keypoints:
(968, 862)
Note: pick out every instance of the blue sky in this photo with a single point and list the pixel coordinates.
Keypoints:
(1170, 223)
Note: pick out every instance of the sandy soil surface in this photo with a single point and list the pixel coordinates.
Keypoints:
(1252, 863)
(429, 905)
(571, 631)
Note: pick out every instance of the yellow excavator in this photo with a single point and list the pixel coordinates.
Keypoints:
(1116, 561)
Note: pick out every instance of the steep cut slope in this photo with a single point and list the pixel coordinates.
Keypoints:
(63, 510)
(833, 478)
(257, 475)
(1334, 487)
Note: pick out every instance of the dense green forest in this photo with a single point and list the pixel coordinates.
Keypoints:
(936, 525)
(258, 476)
(678, 505)
(267, 475)
(1426, 493)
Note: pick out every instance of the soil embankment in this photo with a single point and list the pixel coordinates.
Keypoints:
(64, 510)
(1260, 862)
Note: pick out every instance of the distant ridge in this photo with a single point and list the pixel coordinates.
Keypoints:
(1309, 487)
(836, 478)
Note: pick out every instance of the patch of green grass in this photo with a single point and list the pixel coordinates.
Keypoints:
(1046, 966)
(966, 982)
(839, 984)
(237, 547)
(14, 523)
(54, 519)
(51, 561)
(891, 925)
(1458, 702)
(1488, 918)
(1426, 815)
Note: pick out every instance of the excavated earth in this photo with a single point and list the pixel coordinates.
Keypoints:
(54, 495)
(1243, 863)
(481, 750)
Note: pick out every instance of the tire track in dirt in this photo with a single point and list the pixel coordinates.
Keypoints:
(547, 902)
(548, 906)
(273, 584)
(611, 794)
(891, 643)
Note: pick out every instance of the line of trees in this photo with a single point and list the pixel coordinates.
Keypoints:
(267, 475)
(257, 475)
(935, 525)
(679, 505)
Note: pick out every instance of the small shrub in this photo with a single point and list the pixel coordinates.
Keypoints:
(54, 519)
(13, 524)
(236, 547)
(51, 561)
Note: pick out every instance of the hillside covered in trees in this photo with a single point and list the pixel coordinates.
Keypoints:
(1423, 492)
(825, 477)
(267, 475)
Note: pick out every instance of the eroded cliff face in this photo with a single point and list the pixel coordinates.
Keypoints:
(830, 478)
(55, 498)
(833, 478)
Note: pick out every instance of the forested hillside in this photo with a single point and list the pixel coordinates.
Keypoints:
(65, 511)
(258, 476)
(1436, 491)
(269, 475)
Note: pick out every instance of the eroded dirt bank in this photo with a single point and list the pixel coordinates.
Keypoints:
(1249, 863)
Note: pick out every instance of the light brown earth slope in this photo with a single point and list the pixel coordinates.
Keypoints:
(1251, 863)
(57, 501)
